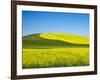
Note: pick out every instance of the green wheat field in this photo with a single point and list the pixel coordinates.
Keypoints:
(47, 50)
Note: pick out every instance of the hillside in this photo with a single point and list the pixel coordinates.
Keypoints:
(77, 39)
(52, 40)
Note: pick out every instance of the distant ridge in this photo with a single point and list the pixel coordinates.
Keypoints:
(52, 40)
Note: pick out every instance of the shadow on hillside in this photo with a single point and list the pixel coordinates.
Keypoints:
(38, 42)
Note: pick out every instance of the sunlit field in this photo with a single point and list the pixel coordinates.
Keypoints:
(57, 57)
(55, 50)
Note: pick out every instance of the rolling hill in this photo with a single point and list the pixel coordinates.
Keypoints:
(77, 39)
(54, 39)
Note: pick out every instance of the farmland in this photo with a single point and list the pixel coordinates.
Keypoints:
(55, 50)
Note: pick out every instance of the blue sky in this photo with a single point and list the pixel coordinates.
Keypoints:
(44, 22)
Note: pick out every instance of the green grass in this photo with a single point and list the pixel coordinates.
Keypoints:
(55, 50)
